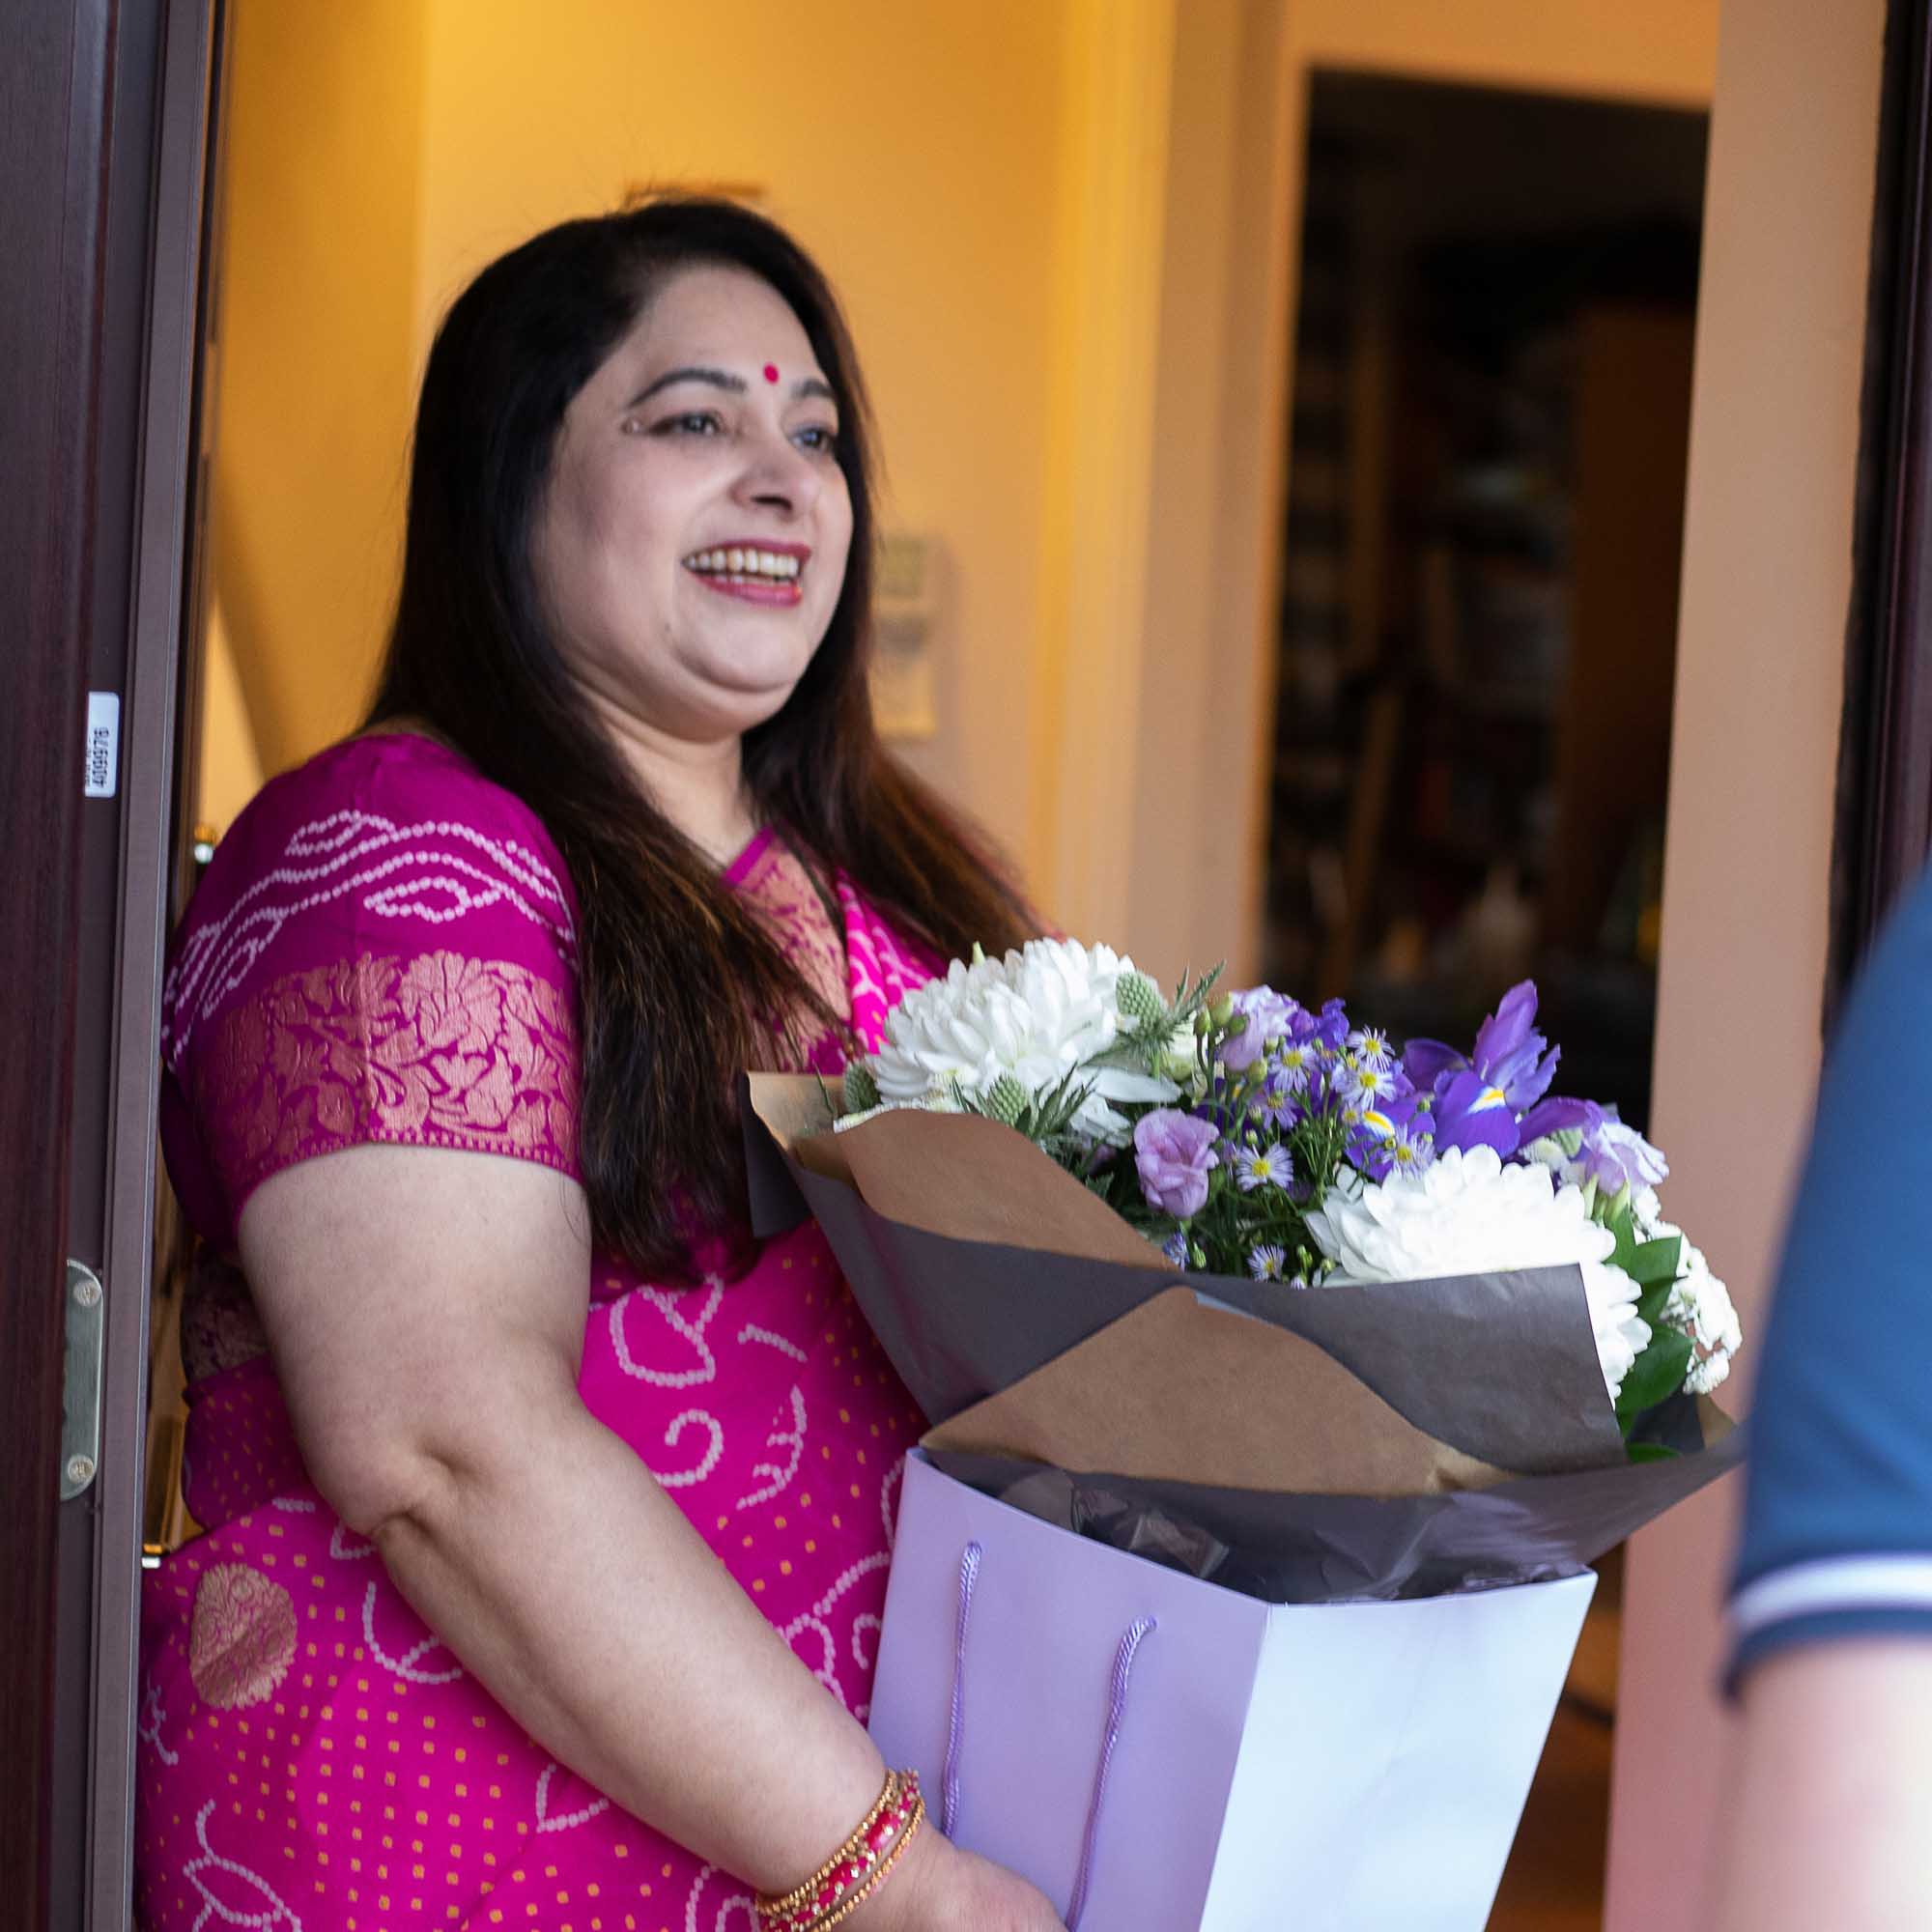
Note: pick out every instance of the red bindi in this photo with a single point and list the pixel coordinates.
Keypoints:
(771, 372)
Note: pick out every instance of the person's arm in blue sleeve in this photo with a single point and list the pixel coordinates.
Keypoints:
(1831, 1810)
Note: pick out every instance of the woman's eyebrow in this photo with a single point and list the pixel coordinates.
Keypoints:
(718, 379)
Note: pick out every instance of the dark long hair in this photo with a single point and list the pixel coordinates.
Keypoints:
(679, 982)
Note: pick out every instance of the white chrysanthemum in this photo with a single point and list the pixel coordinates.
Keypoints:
(1467, 1213)
(1038, 1014)
(1700, 1307)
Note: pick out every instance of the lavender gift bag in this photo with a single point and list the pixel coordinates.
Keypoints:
(1157, 1753)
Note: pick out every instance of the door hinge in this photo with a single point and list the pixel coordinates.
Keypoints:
(80, 1387)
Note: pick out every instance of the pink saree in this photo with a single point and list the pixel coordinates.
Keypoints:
(383, 949)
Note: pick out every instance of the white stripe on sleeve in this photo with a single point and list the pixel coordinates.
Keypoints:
(1830, 1585)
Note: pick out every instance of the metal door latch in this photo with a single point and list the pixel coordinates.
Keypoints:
(80, 1387)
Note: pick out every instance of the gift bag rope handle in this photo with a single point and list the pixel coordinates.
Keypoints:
(1117, 1711)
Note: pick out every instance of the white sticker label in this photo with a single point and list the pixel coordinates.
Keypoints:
(103, 744)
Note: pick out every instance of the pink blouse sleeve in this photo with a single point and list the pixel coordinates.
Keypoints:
(383, 949)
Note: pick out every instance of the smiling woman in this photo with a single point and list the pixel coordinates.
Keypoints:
(541, 1501)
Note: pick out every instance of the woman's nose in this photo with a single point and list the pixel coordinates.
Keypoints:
(779, 476)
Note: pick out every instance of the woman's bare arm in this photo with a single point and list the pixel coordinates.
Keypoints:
(426, 1313)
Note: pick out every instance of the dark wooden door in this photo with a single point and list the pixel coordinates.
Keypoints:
(103, 144)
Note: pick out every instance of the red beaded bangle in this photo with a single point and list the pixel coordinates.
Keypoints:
(859, 1866)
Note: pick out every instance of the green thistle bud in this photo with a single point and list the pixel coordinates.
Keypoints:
(862, 1091)
(1006, 1102)
(1139, 998)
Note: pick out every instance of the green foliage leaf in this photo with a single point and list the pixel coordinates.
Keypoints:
(1650, 1452)
(1650, 1304)
(1660, 1260)
(1656, 1374)
(1624, 1255)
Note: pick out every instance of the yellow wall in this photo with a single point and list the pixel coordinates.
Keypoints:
(939, 160)
(914, 150)
(315, 377)
(1760, 666)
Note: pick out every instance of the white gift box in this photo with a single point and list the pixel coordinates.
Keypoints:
(1155, 1752)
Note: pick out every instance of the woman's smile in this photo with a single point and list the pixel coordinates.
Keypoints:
(760, 571)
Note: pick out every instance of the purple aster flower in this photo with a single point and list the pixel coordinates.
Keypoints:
(1269, 1015)
(1404, 1149)
(1295, 1066)
(1175, 1248)
(1173, 1154)
(1366, 1085)
(1616, 1156)
(1371, 1046)
(1262, 1167)
(1276, 1105)
(1268, 1263)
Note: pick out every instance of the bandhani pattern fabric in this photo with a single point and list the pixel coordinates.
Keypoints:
(383, 950)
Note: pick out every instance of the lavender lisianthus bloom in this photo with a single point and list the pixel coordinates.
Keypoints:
(1175, 1154)
(1269, 1015)
(1616, 1156)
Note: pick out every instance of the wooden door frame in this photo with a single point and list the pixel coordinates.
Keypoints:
(1882, 832)
(54, 92)
(103, 109)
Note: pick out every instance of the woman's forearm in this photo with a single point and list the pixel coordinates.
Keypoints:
(553, 1564)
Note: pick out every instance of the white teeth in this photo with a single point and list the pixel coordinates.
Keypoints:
(741, 561)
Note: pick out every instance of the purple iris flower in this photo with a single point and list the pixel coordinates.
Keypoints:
(1496, 1097)
(1269, 1015)
(1173, 1154)
(1332, 1028)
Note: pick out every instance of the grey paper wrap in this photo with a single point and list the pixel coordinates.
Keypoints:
(1502, 1365)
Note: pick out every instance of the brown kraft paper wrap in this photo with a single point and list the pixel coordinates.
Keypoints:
(1315, 1445)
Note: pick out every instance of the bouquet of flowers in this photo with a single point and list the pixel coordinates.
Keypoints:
(1244, 1133)
(1373, 1348)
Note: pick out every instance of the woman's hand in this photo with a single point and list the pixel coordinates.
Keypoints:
(938, 1888)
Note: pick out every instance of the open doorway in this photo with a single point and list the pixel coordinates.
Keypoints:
(1477, 636)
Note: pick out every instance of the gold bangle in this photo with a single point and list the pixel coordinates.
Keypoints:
(845, 1907)
(779, 1906)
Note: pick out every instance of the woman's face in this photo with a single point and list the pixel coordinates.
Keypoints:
(694, 534)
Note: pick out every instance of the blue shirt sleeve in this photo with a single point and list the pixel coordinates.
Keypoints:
(1837, 1529)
